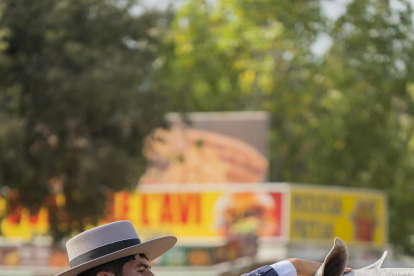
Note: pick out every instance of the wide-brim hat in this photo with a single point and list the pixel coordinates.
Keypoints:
(109, 242)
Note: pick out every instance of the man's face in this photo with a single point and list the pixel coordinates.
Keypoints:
(138, 267)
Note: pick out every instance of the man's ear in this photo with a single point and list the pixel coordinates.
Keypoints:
(335, 262)
(104, 273)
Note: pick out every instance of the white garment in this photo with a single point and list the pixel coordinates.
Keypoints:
(284, 268)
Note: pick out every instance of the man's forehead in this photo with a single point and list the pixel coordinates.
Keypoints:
(141, 259)
(138, 261)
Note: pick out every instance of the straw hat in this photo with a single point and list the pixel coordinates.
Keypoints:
(109, 242)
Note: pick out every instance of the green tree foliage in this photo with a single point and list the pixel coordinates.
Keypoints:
(77, 98)
(345, 118)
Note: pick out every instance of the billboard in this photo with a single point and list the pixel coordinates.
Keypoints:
(208, 147)
(222, 222)
(156, 211)
(202, 214)
(300, 213)
(250, 127)
(319, 214)
(313, 213)
(192, 156)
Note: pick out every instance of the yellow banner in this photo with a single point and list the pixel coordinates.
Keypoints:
(195, 215)
(167, 214)
(318, 215)
(199, 215)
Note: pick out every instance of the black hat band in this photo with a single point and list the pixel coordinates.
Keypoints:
(102, 251)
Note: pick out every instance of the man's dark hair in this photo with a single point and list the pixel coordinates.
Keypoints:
(114, 266)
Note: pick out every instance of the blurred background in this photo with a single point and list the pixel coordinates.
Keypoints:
(254, 131)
